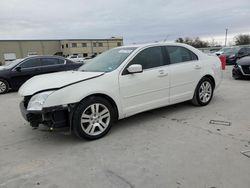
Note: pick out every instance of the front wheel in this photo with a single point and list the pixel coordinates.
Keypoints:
(203, 93)
(93, 118)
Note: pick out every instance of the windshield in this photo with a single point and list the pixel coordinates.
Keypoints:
(107, 61)
(12, 64)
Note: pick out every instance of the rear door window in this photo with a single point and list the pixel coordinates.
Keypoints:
(178, 54)
(61, 61)
(49, 61)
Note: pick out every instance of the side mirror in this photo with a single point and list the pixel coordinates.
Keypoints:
(136, 68)
(18, 69)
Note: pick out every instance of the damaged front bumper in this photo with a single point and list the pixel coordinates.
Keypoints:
(53, 117)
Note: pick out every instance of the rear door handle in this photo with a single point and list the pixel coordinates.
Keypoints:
(197, 67)
(162, 73)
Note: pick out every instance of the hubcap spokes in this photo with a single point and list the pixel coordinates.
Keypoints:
(205, 92)
(95, 119)
(2, 87)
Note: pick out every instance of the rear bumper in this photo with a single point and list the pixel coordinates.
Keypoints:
(53, 117)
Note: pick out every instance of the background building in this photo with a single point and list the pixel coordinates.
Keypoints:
(88, 47)
(14, 49)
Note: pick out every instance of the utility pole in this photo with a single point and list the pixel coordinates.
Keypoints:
(226, 37)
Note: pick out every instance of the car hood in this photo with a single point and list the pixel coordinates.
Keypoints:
(244, 61)
(55, 81)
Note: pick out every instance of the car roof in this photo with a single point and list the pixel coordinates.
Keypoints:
(153, 44)
(44, 56)
(146, 45)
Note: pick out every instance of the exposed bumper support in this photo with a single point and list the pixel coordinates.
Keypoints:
(54, 117)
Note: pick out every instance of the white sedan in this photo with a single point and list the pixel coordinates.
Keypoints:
(76, 59)
(119, 83)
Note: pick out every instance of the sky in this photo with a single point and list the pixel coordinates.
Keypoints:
(137, 21)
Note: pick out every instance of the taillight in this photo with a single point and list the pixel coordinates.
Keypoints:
(223, 61)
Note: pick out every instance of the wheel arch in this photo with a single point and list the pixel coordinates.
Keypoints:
(194, 99)
(210, 77)
(108, 98)
(7, 80)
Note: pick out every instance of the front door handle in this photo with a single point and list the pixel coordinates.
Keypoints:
(197, 67)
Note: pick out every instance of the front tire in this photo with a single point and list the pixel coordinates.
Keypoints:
(93, 118)
(4, 86)
(203, 93)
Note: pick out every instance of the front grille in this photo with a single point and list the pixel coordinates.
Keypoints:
(26, 101)
(246, 69)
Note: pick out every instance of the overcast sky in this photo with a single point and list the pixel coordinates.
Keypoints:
(137, 21)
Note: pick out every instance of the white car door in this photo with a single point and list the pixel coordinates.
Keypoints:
(148, 89)
(185, 71)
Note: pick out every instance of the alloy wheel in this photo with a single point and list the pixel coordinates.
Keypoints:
(3, 87)
(205, 92)
(95, 119)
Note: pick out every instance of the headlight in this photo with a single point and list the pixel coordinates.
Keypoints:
(37, 101)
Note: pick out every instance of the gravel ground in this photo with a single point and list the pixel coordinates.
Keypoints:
(175, 146)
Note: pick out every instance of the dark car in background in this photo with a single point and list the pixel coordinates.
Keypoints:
(233, 53)
(242, 68)
(15, 73)
(243, 52)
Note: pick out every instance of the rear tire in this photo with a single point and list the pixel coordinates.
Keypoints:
(4, 86)
(93, 118)
(203, 93)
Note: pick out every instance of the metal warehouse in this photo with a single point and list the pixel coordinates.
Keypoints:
(15, 49)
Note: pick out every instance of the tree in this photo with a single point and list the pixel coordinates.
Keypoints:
(180, 40)
(242, 39)
(214, 43)
(196, 42)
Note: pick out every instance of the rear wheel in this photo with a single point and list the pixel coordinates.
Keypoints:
(203, 93)
(4, 86)
(93, 118)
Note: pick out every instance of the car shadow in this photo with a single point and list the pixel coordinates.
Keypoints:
(62, 137)
(244, 79)
(166, 112)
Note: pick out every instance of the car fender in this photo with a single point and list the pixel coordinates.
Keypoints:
(105, 85)
(212, 67)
